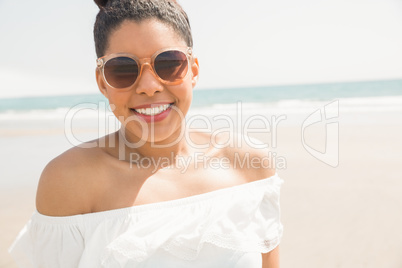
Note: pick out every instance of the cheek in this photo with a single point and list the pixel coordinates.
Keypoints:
(120, 99)
(186, 90)
(185, 97)
(189, 93)
(119, 104)
(189, 99)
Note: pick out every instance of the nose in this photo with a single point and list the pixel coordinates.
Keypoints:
(147, 82)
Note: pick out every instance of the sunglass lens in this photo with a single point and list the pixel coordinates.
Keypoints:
(121, 72)
(171, 66)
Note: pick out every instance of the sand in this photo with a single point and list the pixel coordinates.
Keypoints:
(344, 216)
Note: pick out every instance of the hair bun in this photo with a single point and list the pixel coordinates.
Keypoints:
(101, 3)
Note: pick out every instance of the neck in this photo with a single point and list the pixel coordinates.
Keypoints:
(133, 149)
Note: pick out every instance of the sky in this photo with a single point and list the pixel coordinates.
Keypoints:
(47, 46)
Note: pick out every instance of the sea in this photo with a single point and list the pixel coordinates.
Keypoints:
(365, 96)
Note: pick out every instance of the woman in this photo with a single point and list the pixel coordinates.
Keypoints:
(126, 203)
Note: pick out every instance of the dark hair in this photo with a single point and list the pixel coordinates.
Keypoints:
(113, 12)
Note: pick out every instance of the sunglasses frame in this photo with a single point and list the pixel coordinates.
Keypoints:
(188, 51)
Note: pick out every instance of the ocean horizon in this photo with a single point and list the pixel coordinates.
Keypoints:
(366, 95)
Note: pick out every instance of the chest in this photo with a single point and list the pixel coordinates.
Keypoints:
(126, 187)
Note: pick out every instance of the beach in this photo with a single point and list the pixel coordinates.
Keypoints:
(344, 214)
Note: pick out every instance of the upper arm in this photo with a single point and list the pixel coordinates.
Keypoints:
(45, 243)
(254, 161)
(61, 188)
(271, 259)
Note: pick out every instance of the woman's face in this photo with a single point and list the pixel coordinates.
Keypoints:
(143, 40)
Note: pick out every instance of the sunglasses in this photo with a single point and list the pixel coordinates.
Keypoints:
(121, 70)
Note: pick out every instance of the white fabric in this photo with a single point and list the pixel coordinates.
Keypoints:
(230, 227)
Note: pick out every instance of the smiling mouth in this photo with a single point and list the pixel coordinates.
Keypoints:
(154, 110)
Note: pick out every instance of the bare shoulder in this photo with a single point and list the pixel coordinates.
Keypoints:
(249, 157)
(66, 183)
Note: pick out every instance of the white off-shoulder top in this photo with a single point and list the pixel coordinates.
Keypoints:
(229, 227)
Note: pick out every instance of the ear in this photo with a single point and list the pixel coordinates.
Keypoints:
(195, 70)
(101, 83)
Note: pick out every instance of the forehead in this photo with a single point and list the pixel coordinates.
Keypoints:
(143, 38)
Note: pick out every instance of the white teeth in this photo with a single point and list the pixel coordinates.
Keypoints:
(154, 110)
